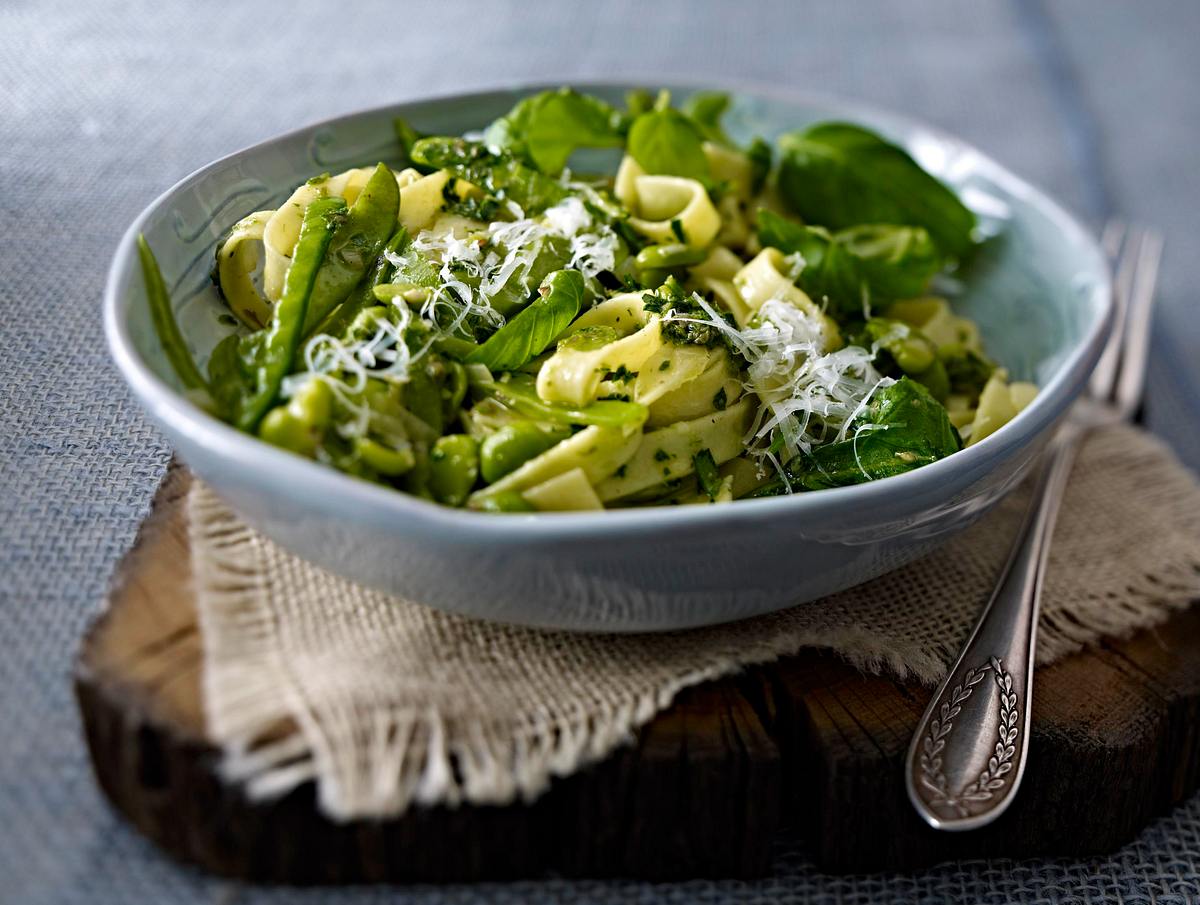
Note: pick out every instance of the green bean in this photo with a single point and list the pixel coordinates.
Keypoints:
(510, 447)
(453, 468)
(506, 501)
(669, 256)
(278, 346)
(388, 461)
(164, 321)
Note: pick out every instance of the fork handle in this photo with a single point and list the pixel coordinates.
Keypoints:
(968, 752)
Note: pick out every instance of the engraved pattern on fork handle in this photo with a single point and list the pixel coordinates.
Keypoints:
(966, 760)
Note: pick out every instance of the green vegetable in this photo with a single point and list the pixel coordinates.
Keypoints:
(363, 295)
(669, 256)
(532, 331)
(666, 141)
(520, 394)
(505, 501)
(882, 261)
(638, 101)
(705, 109)
(164, 321)
(300, 424)
(966, 370)
(706, 473)
(760, 156)
(684, 321)
(406, 136)
(258, 363)
(546, 128)
(355, 245)
(388, 461)
(498, 174)
(453, 468)
(839, 175)
(508, 448)
(549, 253)
(912, 351)
(908, 429)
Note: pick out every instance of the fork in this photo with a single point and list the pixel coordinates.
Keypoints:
(967, 756)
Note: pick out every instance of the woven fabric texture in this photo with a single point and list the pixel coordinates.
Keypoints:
(395, 704)
(103, 106)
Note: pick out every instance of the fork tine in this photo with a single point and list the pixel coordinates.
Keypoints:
(1122, 243)
(1132, 372)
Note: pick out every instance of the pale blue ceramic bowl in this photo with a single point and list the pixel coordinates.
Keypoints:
(1039, 290)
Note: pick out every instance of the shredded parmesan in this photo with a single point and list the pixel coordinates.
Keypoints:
(806, 395)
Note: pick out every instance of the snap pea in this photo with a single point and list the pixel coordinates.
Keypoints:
(506, 501)
(453, 468)
(164, 321)
(364, 295)
(668, 256)
(510, 447)
(277, 348)
(355, 245)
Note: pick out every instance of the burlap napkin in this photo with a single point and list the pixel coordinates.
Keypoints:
(386, 703)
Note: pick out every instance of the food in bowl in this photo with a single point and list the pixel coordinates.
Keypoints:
(485, 328)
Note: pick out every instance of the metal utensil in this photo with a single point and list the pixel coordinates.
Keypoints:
(968, 753)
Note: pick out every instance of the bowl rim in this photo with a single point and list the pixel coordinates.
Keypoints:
(384, 504)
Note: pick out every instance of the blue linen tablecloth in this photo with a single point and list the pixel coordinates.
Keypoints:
(104, 106)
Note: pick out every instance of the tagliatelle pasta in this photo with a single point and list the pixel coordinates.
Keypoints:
(483, 327)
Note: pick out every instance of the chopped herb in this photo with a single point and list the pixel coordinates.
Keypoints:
(677, 229)
(706, 473)
(661, 455)
(620, 472)
(618, 397)
(720, 400)
(684, 321)
(621, 375)
(666, 364)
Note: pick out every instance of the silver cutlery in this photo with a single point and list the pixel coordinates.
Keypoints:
(968, 753)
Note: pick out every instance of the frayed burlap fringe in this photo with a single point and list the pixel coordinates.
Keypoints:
(385, 703)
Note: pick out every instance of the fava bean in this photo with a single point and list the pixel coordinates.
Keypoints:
(453, 468)
(281, 427)
(510, 447)
(506, 501)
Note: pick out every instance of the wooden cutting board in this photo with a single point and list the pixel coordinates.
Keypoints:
(806, 745)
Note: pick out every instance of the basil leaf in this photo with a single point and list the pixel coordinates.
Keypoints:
(546, 128)
(839, 175)
(910, 429)
(705, 109)
(885, 261)
(665, 141)
(529, 333)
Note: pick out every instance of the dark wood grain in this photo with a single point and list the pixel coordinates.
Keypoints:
(807, 743)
